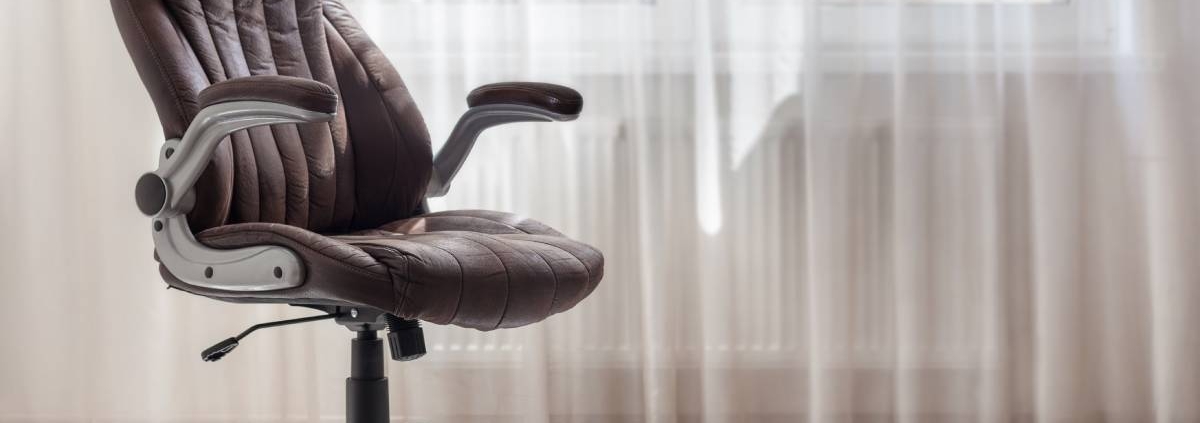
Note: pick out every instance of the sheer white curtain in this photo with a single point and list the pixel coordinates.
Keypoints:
(819, 210)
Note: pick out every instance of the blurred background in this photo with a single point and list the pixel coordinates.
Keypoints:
(811, 210)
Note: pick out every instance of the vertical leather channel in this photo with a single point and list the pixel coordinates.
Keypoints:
(368, 166)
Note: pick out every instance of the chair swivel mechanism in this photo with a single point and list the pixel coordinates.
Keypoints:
(296, 169)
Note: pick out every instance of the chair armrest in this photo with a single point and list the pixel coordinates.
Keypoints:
(166, 194)
(286, 90)
(497, 104)
(549, 97)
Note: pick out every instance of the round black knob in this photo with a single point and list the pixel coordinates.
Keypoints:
(150, 194)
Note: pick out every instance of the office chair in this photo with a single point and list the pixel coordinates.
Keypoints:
(296, 168)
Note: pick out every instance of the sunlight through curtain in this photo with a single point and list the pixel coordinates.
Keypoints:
(817, 210)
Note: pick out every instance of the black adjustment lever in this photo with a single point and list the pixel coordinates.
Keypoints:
(406, 340)
(219, 350)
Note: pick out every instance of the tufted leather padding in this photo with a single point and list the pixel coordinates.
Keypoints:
(369, 166)
(472, 268)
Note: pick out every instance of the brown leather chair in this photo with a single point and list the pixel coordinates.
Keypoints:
(295, 170)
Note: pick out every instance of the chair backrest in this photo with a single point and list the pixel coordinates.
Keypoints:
(368, 166)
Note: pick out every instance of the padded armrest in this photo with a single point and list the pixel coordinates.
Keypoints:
(551, 97)
(291, 91)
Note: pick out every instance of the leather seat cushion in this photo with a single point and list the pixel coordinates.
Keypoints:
(472, 268)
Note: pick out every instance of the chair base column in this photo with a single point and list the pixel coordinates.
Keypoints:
(367, 387)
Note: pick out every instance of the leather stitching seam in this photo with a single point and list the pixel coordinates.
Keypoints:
(507, 278)
(554, 292)
(300, 244)
(157, 61)
(462, 276)
(581, 262)
(398, 305)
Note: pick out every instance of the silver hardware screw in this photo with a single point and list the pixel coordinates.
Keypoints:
(354, 313)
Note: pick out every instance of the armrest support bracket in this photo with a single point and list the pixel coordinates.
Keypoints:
(450, 158)
(166, 195)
